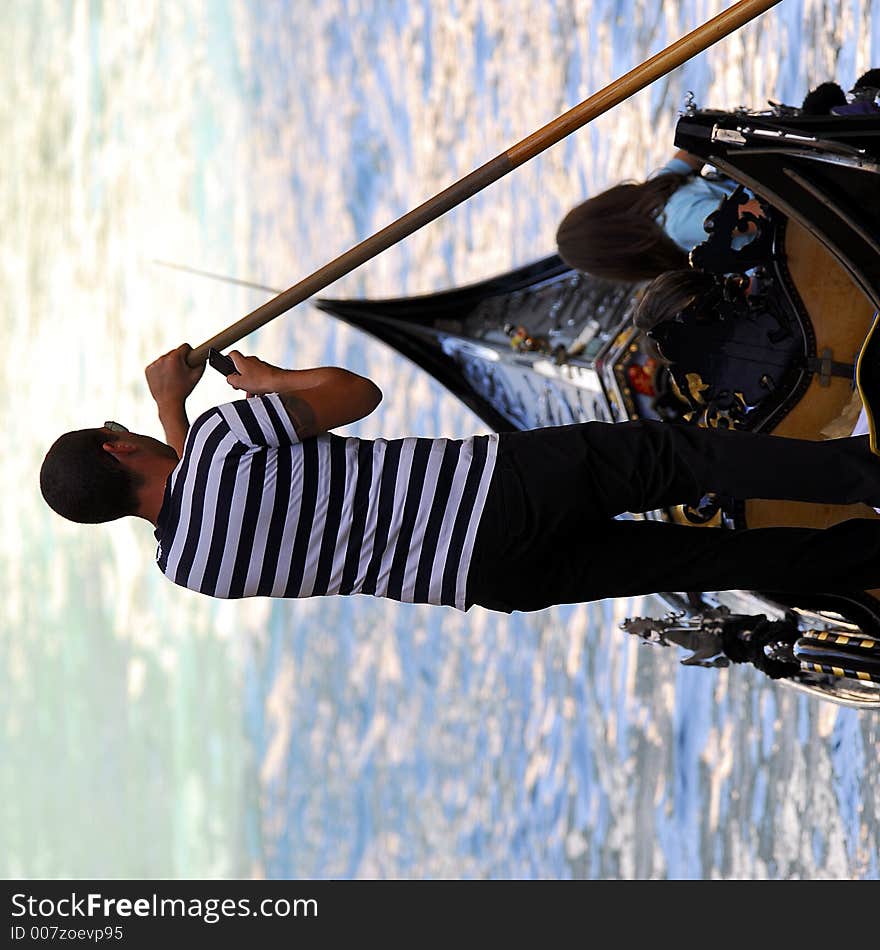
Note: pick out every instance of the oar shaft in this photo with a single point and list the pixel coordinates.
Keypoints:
(668, 59)
(390, 235)
(224, 277)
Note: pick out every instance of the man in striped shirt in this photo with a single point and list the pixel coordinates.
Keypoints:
(259, 498)
(265, 501)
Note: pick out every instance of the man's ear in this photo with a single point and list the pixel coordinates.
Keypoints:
(119, 448)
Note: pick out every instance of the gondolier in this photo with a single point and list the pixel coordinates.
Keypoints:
(259, 498)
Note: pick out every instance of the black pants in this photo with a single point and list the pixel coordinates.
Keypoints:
(548, 534)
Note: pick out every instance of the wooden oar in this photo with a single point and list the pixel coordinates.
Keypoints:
(621, 89)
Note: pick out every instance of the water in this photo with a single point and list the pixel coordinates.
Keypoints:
(148, 732)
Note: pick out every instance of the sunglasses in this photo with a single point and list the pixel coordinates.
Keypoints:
(115, 427)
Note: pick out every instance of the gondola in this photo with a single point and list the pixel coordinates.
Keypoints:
(544, 345)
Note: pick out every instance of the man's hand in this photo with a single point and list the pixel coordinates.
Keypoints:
(171, 379)
(751, 207)
(254, 376)
(317, 400)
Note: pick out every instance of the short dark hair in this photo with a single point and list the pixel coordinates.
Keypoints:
(822, 99)
(669, 294)
(83, 483)
(868, 80)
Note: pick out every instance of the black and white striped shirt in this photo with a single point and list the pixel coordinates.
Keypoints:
(252, 511)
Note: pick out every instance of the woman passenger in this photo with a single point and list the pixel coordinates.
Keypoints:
(637, 231)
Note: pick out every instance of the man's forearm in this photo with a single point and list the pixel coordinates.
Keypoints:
(171, 379)
(294, 380)
(174, 421)
(318, 400)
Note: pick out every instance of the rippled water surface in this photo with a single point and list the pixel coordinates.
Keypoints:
(148, 732)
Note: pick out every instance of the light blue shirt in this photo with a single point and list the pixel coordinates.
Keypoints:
(689, 206)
